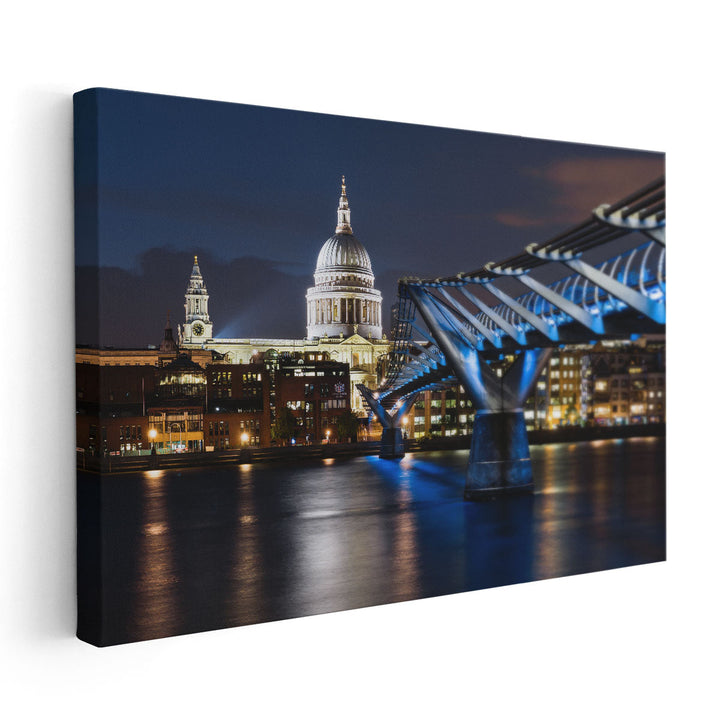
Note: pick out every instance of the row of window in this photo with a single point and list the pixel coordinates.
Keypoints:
(132, 433)
(333, 404)
(449, 403)
(438, 420)
(324, 390)
(302, 372)
(218, 428)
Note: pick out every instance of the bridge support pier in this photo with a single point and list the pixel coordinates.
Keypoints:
(499, 462)
(392, 444)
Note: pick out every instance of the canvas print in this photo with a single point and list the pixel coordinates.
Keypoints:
(325, 363)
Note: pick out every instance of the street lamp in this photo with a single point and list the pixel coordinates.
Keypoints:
(327, 435)
(152, 434)
(244, 438)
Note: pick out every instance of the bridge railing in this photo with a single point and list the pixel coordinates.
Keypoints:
(641, 269)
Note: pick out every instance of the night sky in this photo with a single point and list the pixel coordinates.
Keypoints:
(253, 192)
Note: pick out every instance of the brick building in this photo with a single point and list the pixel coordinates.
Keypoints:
(317, 394)
(130, 401)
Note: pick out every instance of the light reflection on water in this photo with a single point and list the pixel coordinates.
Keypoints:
(206, 548)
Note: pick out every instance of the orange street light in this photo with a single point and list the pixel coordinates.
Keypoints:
(152, 434)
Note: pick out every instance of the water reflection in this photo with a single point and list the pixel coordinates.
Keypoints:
(203, 549)
(156, 598)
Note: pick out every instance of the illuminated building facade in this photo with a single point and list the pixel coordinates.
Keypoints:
(627, 385)
(610, 383)
(176, 408)
(344, 312)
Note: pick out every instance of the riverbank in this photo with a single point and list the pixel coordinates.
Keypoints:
(300, 453)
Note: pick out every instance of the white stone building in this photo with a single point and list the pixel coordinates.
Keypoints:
(344, 320)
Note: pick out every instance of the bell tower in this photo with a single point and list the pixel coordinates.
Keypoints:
(198, 326)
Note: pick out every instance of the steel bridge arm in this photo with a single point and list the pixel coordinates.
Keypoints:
(460, 355)
(374, 404)
(404, 407)
(460, 332)
(422, 359)
(517, 334)
(590, 321)
(522, 375)
(550, 331)
(477, 326)
(429, 359)
(632, 298)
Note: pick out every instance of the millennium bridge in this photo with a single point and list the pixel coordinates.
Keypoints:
(493, 329)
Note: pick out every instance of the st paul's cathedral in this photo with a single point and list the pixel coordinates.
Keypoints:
(343, 313)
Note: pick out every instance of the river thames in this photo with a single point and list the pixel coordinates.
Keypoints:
(200, 549)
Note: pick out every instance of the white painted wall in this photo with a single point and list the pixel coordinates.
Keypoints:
(615, 644)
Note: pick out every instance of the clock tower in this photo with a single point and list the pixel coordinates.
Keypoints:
(198, 326)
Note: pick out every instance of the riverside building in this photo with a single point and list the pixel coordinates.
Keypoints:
(609, 383)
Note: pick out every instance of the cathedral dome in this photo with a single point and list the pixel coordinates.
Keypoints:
(341, 251)
(344, 301)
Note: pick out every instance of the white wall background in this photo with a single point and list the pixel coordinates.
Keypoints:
(636, 642)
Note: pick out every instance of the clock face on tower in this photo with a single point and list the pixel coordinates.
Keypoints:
(198, 329)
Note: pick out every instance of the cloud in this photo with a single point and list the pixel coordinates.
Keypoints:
(517, 219)
(575, 187)
(249, 297)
